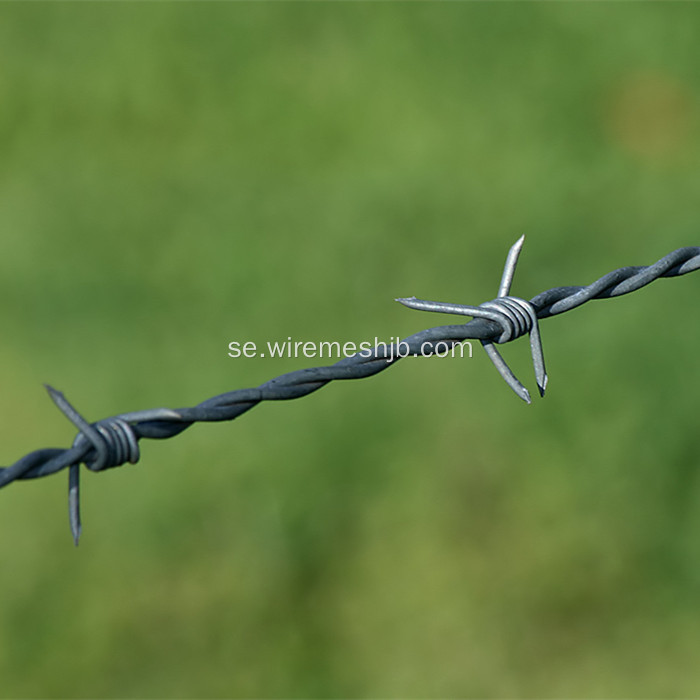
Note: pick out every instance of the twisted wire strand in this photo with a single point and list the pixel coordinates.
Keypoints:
(514, 317)
(113, 441)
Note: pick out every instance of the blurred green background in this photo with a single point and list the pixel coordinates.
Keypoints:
(176, 176)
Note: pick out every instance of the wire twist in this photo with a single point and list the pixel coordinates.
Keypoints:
(115, 445)
(516, 317)
(114, 441)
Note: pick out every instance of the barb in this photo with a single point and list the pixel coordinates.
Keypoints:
(514, 316)
(114, 441)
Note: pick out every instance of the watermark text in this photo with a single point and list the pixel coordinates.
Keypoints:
(310, 349)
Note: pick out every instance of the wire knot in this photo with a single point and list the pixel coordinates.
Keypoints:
(113, 440)
(515, 316)
(114, 443)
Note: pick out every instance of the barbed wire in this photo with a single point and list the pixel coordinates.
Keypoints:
(114, 441)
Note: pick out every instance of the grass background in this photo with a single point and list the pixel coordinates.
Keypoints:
(178, 175)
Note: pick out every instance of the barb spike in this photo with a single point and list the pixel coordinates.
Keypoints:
(515, 317)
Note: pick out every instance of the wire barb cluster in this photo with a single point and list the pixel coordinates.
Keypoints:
(115, 441)
(514, 316)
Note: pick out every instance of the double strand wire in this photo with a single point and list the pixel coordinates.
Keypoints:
(114, 441)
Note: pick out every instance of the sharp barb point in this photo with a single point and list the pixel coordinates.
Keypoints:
(505, 371)
(509, 268)
(74, 502)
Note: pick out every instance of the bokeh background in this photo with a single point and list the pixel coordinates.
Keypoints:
(176, 176)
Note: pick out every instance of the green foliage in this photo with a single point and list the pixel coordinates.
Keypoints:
(175, 176)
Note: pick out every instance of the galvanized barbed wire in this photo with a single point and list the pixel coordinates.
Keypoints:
(114, 441)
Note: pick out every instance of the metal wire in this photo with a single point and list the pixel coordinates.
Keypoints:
(114, 441)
